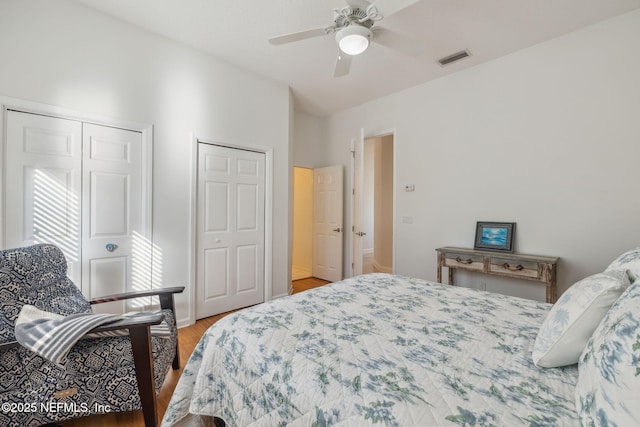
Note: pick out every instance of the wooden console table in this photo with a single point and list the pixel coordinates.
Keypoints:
(530, 267)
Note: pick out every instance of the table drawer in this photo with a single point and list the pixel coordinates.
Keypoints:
(525, 269)
(466, 261)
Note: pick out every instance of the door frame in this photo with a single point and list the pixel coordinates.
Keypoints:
(354, 142)
(146, 130)
(193, 208)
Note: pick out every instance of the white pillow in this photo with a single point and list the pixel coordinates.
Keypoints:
(608, 388)
(630, 261)
(571, 321)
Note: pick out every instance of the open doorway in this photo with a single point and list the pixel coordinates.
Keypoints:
(317, 223)
(302, 251)
(373, 213)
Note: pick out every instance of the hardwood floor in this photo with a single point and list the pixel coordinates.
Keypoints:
(306, 284)
(187, 340)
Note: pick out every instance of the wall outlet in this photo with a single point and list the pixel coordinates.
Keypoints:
(410, 187)
(407, 220)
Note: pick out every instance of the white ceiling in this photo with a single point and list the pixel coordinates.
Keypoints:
(237, 32)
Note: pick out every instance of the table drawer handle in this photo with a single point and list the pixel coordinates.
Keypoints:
(516, 268)
(464, 261)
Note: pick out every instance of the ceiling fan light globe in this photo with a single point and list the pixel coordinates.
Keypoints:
(354, 44)
(354, 39)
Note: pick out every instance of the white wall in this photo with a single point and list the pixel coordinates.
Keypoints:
(61, 53)
(310, 136)
(548, 137)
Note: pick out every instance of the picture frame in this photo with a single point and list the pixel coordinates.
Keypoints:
(495, 236)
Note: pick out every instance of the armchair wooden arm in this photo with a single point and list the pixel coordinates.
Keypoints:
(166, 302)
(165, 294)
(140, 335)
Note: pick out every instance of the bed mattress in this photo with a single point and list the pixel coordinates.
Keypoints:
(376, 349)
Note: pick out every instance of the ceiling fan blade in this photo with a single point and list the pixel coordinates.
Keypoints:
(343, 64)
(387, 8)
(294, 37)
(398, 42)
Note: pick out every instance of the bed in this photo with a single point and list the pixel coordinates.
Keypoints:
(376, 349)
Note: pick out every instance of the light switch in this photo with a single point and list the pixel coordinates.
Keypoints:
(409, 187)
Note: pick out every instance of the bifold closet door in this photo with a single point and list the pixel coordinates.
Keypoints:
(43, 182)
(230, 229)
(79, 186)
(114, 257)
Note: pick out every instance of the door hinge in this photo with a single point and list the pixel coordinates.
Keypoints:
(353, 191)
(353, 228)
(353, 154)
(353, 265)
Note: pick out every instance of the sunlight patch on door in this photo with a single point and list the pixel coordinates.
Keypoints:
(56, 213)
(146, 269)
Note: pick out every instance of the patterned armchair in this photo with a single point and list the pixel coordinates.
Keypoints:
(98, 375)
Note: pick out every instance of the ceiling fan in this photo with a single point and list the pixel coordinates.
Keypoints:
(353, 26)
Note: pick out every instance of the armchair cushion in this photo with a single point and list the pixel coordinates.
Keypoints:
(36, 275)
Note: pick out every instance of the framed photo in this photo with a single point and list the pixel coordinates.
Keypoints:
(495, 236)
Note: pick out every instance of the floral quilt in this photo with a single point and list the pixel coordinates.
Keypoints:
(376, 349)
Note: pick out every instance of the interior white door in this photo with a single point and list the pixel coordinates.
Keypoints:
(44, 184)
(357, 198)
(80, 186)
(113, 255)
(230, 229)
(327, 223)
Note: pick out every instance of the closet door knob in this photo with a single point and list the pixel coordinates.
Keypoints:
(111, 247)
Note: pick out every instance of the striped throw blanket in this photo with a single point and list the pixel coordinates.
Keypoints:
(52, 335)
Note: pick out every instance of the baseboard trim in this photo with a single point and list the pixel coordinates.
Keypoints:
(380, 268)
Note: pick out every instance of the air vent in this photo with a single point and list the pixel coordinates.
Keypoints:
(454, 57)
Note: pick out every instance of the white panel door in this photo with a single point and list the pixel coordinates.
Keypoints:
(230, 229)
(113, 251)
(80, 186)
(327, 223)
(43, 184)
